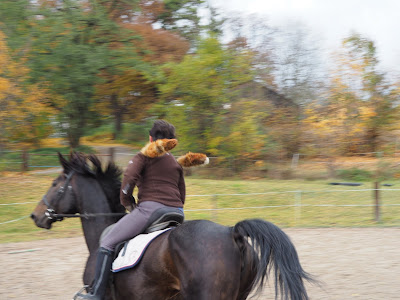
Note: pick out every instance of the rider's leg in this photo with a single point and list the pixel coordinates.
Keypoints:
(126, 228)
(130, 225)
(103, 265)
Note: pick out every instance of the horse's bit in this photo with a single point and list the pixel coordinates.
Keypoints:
(50, 212)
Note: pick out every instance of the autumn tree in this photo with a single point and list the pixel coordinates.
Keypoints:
(360, 108)
(178, 16)
(80, 48)
(127, 93)
(377, 94)
(72, 43)
(24, 114)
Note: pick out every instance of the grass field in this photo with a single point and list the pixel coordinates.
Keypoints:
(287, 203)
(11, 161)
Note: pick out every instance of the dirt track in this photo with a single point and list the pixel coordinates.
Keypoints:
(352, 263)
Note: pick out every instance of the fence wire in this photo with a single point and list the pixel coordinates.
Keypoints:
(297, 203)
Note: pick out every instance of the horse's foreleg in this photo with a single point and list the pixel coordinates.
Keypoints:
(88, 274)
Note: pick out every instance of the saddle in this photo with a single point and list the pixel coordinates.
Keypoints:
(161, 218)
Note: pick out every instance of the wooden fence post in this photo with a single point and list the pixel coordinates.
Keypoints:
(297, 208)
(377, 202)
(295, 161)
(214, 207)
(111, 153)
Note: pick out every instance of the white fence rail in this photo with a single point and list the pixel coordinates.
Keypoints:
(297, 202)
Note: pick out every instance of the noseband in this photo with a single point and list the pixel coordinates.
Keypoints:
(50, 212)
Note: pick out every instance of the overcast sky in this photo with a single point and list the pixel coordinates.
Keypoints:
(333, 20)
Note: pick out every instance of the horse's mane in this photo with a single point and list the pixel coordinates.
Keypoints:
(109, 178)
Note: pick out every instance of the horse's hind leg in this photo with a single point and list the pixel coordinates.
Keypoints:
(208, 263)
(215, 278)
(214, 288)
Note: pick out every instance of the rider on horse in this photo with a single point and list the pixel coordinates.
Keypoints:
(160, 183)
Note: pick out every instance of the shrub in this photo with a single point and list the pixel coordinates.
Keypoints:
(355, 174)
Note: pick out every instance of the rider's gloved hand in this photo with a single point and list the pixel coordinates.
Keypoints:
(131, 206)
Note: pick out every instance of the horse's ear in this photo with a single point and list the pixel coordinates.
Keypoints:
(96, 163)
(73, 154)
(63, 162)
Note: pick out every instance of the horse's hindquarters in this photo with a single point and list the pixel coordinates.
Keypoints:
(197, 260)
(207, 261)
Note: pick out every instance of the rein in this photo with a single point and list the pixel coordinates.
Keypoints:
(52, 215)
(85, 215)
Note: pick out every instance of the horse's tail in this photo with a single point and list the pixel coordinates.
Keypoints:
(265, 247)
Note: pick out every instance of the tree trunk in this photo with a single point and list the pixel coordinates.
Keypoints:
(118, 123)
(372, 138)
(117, 112)
(377, 202)
(74, 140)
(76, 131)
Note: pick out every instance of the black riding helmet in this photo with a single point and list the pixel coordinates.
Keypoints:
(162, 130)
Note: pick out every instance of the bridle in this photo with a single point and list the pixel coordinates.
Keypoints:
(51, 213)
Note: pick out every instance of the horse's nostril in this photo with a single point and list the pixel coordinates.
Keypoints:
(32, 216)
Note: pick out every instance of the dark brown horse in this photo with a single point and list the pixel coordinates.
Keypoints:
(197, 260)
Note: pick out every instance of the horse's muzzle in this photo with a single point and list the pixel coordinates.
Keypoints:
(42, 222)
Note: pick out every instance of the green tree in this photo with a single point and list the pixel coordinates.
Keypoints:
(15, 22)
(245, 137)
(198, 91)
(182, 16)
(72, 42)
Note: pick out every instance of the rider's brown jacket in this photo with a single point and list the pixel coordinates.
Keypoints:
(158, 179)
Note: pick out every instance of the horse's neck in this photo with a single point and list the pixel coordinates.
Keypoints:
(91, 199)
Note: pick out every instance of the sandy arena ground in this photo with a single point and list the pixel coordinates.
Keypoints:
(362, 263)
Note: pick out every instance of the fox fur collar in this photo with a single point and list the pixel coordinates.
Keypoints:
(162, 146)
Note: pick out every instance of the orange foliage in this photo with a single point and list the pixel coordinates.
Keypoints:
(131, 92)
(125, 93)
(24, 112)
(159, 46)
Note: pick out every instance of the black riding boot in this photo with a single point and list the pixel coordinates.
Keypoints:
(103, 268)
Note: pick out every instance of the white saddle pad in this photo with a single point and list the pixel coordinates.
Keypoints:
(131, 254)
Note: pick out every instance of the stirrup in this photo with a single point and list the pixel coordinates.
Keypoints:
(79, 293)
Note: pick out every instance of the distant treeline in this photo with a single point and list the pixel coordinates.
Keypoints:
(68, 68)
